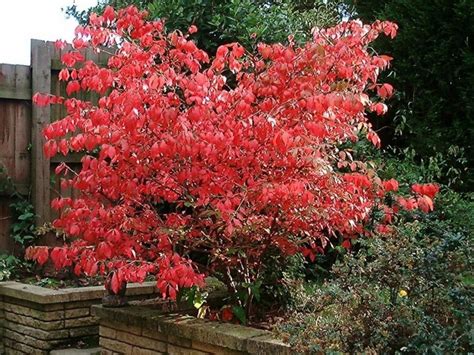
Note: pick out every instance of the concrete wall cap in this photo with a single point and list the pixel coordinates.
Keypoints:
(43, 295)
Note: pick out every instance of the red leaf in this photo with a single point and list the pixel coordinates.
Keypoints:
(237, 50)
(346, 244)
(41, 99)
(390, 185)
(60, 44)
(380, 108)
(109, 13)
(63, 74)
(425, 204)
(38, 254)
(71, 58)
(192, 29)
(429, 190)
(222, 51)
(265, 50)
(90, 142)
(115, 283)
(50, 148)
(374, 138)
(72, 87)
(385, 91)
(226, 314)
(104, 251)
(316, 129)
(408, 204)
(63, 147)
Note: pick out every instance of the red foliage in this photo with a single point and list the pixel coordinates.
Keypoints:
(188, 163)
(40, 254)
(429, 190)
(390, 185)
(226, 314)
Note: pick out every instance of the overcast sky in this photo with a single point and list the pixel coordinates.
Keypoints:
(21, 20)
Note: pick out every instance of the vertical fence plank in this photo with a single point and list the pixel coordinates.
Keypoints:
(22, 145)
(15, 128)
(41, 82)
(23, 132)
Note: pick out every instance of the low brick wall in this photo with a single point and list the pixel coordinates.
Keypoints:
(35, 320)
(144, 330)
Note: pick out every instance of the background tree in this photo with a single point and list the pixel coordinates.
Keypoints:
(433, 72)
(245, 21)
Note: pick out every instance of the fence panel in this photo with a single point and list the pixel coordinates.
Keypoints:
(21, 139)
(15, 132)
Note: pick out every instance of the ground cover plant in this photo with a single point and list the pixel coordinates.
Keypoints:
(22, 233)
(195, 166)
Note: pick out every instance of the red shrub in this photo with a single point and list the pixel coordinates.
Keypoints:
(225, 157)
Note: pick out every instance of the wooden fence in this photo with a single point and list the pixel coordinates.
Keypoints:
(21, 140)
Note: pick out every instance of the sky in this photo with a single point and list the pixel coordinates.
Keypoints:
(21, 20)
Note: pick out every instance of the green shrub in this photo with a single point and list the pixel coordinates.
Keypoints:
(453, 209)
(411, 292)
(433, 71)
(245, 21)
(449, 169)
(281, 276)
(8, 266)
(22, 230)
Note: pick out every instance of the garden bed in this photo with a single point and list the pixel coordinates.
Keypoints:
(35, 320)
(150, 330)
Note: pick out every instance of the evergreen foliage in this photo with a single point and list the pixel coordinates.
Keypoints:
(433, 72)
(245, 21)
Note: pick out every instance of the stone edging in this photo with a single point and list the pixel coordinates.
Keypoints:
(44, 295)
(234, 337)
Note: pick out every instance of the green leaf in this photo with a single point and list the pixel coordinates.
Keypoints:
(239, 312)
(16, 228)
(187, 294)
(242, 295)
(255, 288)
(25, 216)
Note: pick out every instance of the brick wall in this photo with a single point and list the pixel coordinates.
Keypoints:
(37, 328)
(35, 320)
(142, 330)
(116, 338)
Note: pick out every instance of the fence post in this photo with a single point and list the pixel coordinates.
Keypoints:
(40, 117)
